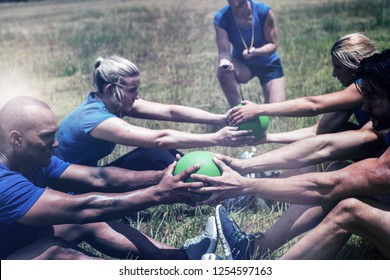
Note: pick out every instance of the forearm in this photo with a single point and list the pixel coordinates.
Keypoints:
(177, 113)
(113, 179)
(195, 115)
(267, 49)
(312, 150)
(299, 107)
(86, 208)
(367, 178)
(295, 155)
(174, 139)
(82, 179)
(291, 136)
(97, 207)
(294, 190)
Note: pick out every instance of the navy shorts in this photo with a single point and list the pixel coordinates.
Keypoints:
(17, 236)
(268, 72)
(146, 159)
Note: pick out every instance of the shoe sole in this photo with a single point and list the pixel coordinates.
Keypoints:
(214, 241)
(225, 245)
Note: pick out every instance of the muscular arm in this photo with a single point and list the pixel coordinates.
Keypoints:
(369, 177)
(343, 145)
(333, 121)
(223, 43)
(83, 179)
(271, 36)
(168, 112)
(329, 123)
(55, 207)
(299, 107)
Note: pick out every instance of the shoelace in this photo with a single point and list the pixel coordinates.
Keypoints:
(194, 240)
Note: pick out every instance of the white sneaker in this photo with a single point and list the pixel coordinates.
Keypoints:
(204, 244)
(211, 257)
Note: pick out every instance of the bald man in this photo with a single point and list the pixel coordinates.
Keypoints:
(47, 223)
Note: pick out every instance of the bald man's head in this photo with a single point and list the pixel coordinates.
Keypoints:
(20, 113)
(27, 127)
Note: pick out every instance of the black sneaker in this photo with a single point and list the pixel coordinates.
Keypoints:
(237, 245)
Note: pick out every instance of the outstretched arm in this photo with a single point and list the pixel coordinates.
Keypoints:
(351, 144)
(369, 177)
(290, 136)
(82, 179)
(118, 131)
(169, 112)
(329, 123)
(55, 207)
(299, 107)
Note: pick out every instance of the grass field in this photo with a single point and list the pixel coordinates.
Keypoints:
(48, 48)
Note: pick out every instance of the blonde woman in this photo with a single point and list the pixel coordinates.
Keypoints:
(347, 52)
(92, 130)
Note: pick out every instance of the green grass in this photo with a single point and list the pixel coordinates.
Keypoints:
(48, 49)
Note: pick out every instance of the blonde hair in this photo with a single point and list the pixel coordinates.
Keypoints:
(352, 48)
(108, 71)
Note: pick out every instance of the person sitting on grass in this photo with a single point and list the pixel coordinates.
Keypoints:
(38, 220)
(352, 200)
(92, 130)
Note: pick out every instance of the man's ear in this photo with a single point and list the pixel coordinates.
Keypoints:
(16, 138)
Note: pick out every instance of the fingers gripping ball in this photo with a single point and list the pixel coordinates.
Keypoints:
(258, 126)
(204, 158)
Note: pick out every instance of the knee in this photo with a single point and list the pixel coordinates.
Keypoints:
(224, 75)
(60, 249)
(346, 212)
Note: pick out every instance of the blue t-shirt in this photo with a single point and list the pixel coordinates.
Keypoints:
(19, 193)
(387, 138)
(361, 117)
(75, 143)
(224, 18)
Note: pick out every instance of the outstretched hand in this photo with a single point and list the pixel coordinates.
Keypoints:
(230, 136)
(229, 184)
(240, 114)
(173, 189)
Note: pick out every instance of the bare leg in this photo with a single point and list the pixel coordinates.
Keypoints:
(229, 81)
(274, 90)
(295, 221)
(51, 248)
(118, 240)
(369, 219)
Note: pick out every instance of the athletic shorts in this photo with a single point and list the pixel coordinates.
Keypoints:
(268, 72)
(17, 236)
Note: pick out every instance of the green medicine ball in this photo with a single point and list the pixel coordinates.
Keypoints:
(204, 158)
(258, 126)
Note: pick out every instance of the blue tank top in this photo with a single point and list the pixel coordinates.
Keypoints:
(224, 18)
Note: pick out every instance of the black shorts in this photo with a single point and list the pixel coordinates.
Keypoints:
(17, 236)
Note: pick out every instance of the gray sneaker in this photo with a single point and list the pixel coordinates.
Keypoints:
(206, 243)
